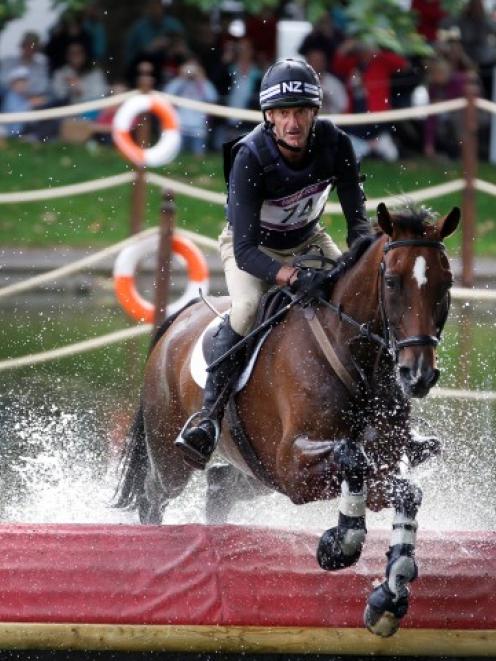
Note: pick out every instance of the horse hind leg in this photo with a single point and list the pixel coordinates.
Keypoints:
(167, 474)
(226, 485)
(341, 546)
(153, 500)
(388, 603)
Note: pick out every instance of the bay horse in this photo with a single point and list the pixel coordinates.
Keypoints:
(319, 426)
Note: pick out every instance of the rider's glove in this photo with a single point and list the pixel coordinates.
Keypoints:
(309, 281)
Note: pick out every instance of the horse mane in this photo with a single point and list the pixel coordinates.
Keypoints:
(414, 217)
(410, 216)
(167, 322)
(357, 249)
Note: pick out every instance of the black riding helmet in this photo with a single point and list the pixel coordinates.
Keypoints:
(290, 83)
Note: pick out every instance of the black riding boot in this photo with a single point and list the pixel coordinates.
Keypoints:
(199, 437)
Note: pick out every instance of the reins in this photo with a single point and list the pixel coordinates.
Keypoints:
(386, 341)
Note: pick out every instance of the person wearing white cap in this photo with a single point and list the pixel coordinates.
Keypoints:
(16, 98)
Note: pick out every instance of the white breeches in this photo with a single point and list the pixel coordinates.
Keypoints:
(246, 290)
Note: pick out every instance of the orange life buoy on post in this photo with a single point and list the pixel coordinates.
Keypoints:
(125, 266)
(167, 147)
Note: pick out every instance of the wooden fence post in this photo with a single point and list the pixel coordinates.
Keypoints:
(162, 278)
(469, 165)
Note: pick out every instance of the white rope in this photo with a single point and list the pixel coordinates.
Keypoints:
(220, 198)
(78, 265)
(67, 191)
(76, 348)
(466, 294)
(200, 239)
(185, 189)
(453, 393)
(331, 207)
(484, 104)
(89, 260)
(344, 119)
(418, 112)
(485, 187)
(65, 111)
(416, 195)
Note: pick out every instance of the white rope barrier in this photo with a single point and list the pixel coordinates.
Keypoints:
(417, 196)
(466, 294)
(90, 260)
(331, 207)
(345, 119)
(453, 393)
(76, 348)
(73, 267)
(485, 187)
(65, 111)
(166, 183)
(185, 189)
(67, 191)
(485, 104)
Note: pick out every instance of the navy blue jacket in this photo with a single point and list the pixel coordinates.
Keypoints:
(275, 204)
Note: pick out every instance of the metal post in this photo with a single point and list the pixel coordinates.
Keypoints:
(145, 85)
(162, 278)
(469, 165)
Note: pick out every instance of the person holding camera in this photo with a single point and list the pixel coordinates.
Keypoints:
(280, 176)
(192, 83)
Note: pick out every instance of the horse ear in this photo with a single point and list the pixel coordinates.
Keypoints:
(384, 219)
(450, 223)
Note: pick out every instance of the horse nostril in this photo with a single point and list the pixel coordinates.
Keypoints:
(405, 373)
(435, 377)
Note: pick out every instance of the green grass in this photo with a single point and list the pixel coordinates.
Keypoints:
(101, 218)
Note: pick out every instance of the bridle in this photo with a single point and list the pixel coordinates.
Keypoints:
(388, 339)
(393, 344)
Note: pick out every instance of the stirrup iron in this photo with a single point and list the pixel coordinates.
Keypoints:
(192, 455)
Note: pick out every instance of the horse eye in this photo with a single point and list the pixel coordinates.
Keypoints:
(392, 281)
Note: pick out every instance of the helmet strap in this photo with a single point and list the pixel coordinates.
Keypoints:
(284, 144)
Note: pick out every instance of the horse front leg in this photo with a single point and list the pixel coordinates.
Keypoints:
(341, 546)
(388, 603)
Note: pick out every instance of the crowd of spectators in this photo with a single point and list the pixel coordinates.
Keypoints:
(225, 66)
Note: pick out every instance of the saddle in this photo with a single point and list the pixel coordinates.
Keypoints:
(269, 314)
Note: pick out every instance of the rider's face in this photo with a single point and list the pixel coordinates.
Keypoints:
(292, 124)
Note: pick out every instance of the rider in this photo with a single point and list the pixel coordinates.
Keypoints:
(280, 177)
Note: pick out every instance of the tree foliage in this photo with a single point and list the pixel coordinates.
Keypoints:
(377, 22)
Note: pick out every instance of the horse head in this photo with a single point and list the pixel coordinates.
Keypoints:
(414, 291)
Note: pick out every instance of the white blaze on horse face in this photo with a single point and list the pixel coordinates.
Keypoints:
(419, 271)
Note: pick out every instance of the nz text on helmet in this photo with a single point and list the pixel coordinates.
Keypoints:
(290, 83)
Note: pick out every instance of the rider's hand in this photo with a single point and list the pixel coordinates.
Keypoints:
(310, 281)
(286, 275)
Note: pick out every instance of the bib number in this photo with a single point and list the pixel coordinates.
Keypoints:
(297, 210)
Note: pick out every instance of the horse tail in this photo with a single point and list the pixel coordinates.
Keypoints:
(133, 464)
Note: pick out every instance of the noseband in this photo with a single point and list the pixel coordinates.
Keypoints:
(393, 344)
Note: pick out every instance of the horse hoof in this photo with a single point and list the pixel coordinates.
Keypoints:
(383, 613)
(330, 554)
(383, 624)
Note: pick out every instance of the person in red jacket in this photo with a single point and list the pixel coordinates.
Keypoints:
(367, 73)
(430, 14)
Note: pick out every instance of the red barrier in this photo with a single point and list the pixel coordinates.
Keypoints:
(230, 575)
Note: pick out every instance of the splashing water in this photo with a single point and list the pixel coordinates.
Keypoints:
(60, 466)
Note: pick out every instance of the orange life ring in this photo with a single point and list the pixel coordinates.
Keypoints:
(127, 261)
(167, 147)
